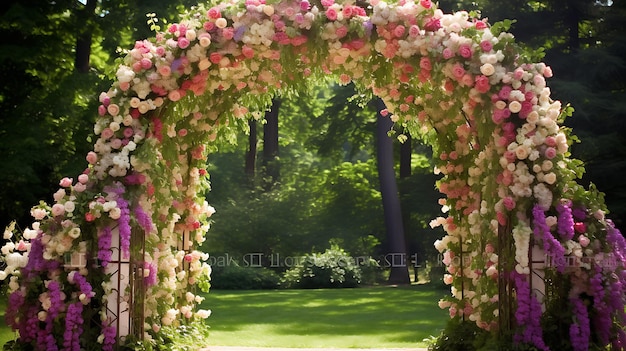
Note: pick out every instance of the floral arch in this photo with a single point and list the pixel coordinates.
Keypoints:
(118, 243)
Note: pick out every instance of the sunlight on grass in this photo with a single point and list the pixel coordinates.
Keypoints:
(393, 317)
(6, 334)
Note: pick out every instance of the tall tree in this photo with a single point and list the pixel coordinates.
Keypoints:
(250, 165)
(396, 244)
(271, 164)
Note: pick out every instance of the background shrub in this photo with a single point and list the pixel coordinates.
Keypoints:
(235, 277)
(332, 269)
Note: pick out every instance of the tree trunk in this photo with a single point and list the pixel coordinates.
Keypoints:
(405, 158)
(251, 153)
(271, 165)
(84, 36)
(572, 19)
(391, 201)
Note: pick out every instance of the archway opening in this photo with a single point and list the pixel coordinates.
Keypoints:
(446, 78)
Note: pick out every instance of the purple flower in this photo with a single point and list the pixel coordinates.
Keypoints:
(151, 279)
(565, 220)
(73, 327)
(124, 225)
(143, 219)
(579, 330)
(550, 244)
(104, 246)
(528, 315)
(579, 213)
(109, 333)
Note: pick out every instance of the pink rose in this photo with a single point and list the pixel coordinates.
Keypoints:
(508, 203)
(486, 45)
(480, 25)
(432, 24)
(92, 157)
(183, 43)
(57, 210)
(425, 4)
(399, 31)
(79, 188)
(425, 64)
(38, 213)
(22, 246)
(482, 84)
(550, 153)
(465, 51)
(107, 133)
(584, 241)
(331, 14)
(227, 33)
(89, 217)
(458, 71)
(489, 248)
(65, 182)
(214, 13)
(146, 63)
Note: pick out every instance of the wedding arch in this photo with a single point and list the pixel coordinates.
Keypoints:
(114, 261)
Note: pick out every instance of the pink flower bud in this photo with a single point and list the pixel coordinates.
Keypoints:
(65, 182)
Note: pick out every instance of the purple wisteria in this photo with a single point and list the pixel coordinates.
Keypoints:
(602, 319)
(104, 246)
(46, 339)
(124, 219)
(83, 285)
(565, 220)
(151, 278)
(579, 331)
(143, 219)
(541, 230)
(528, 315)
(73, 327)
(109, 333)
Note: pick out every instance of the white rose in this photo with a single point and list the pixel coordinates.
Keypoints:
(487, 69)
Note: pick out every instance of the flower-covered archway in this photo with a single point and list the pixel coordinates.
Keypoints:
(113, 259)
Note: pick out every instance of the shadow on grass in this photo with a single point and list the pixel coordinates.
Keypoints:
(389, 314)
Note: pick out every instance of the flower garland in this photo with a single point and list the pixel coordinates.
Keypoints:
(448, 78)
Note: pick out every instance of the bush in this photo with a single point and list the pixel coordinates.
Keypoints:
(372, 273)
(332, 269)
(235, 277)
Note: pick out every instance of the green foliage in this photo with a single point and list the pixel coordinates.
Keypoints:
(169, 338)
(334, 268)
(235, 277)
(311, 206)
(458, 335)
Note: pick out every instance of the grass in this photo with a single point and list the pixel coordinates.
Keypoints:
(392, 317)
(6, 334)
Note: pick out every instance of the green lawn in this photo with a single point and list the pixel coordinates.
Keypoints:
(346, 318)
(375, 317)
(6, 334)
